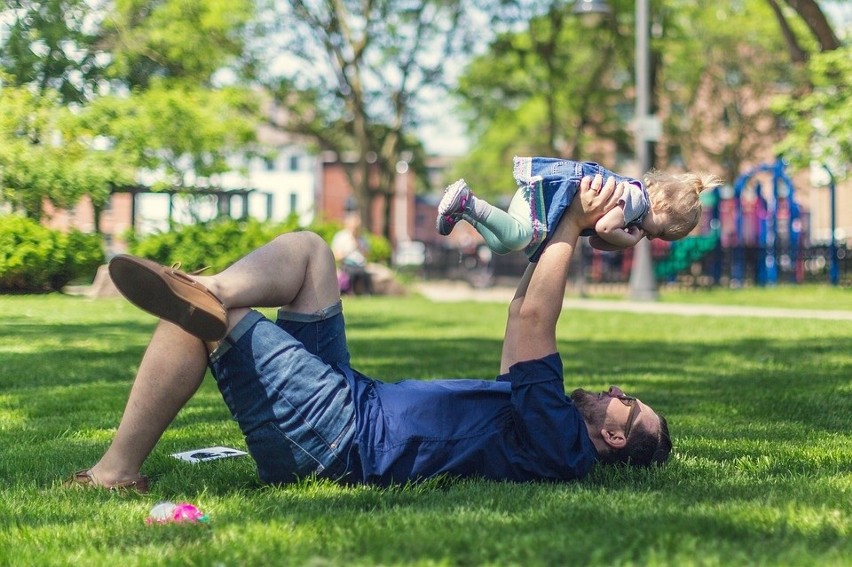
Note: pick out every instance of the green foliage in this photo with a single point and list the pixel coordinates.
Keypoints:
(380, 249)
(221, 242)
(185, 42)
(546, 87)
(84, 253)
(821, 121)
(718, 68)
(488, 166)
(550, 86)
(44, 155)
(216, 244)
(183, 133)
(50, 153)
(52, 45)
(61, 138)
(35, 258)
(31, 168)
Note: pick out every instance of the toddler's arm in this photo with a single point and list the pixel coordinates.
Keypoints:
(599, 243)
(611, 234)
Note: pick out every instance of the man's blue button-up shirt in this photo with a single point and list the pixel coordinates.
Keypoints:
(521, 427)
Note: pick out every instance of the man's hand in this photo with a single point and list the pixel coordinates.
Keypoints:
(593, 199)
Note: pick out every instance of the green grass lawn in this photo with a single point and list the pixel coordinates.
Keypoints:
(822, 297)
(760, 411)
(819, 297)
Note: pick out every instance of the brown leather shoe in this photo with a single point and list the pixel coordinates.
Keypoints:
(170, 294)
(85, 479)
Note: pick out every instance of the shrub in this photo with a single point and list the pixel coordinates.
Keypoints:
(219, 243)
(216, 244)
(83, 254)
(36, 259)
(379, 249)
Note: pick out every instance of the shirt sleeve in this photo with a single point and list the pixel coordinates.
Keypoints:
(547, 422)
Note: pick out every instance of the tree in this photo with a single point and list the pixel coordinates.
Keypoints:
(180, 135)
(819, 113)
(821, 120)
(42, 156)
(547, 85)
(816, 22)
(177, 40)
(714, 72)
(357, 71)
(720, 68)
(162, 112)
(52, 44)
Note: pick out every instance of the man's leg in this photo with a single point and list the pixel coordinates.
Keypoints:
(295, 269)
(170, 373)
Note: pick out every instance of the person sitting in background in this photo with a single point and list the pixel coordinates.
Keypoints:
(350, 250)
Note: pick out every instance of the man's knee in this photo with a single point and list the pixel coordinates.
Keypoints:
(234, 317)
(318, 251)
(309, 251)
(305, 243)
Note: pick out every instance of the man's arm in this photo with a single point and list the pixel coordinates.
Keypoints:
(511, 336)
(535, 309)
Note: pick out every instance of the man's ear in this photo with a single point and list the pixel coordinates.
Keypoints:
(614, 439)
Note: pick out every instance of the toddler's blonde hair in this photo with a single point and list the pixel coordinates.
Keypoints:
(677, 196)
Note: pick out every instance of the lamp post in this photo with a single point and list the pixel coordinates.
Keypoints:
(643, 283)
(591, 11)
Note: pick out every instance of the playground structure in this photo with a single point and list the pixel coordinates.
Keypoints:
(753, 231)
(759, 226)
(768, 222)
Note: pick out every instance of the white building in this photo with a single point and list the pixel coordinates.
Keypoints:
(281, 181)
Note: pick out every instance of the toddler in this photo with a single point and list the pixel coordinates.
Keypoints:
(664, 206)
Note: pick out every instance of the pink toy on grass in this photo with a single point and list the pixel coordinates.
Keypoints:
(169, 512)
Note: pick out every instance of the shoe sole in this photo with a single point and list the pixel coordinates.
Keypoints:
(445, 225)
(84, 479)
(143, 283)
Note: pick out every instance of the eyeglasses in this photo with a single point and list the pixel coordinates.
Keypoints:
(630, 402)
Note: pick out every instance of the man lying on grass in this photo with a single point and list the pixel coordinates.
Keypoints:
(304, 411)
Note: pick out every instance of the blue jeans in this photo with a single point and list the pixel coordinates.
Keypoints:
(283, 384)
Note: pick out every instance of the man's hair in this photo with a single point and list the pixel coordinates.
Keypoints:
(643, 448)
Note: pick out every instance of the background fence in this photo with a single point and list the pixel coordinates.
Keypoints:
(711, 265)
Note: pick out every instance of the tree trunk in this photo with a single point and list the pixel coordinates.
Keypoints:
(816, 21)
(797, 54)
(97, 213)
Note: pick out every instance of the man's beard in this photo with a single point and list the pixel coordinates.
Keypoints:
(588, 405)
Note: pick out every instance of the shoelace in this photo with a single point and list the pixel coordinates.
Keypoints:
(176, 267)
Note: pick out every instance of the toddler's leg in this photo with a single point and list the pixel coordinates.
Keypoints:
(491, 240)
(504, 230)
